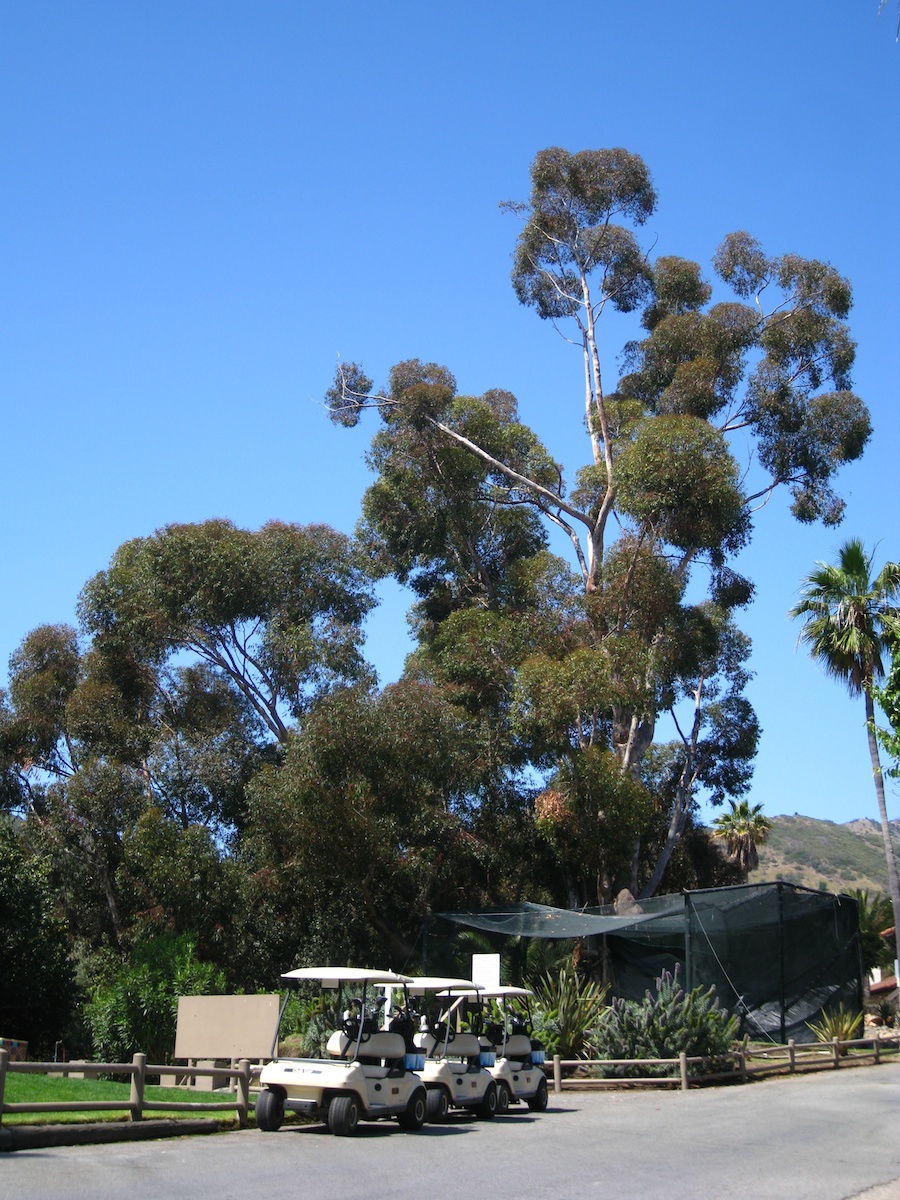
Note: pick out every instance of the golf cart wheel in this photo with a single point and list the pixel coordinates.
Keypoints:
(269, 1110)
(487, 1109)
(414, 1117)
(437, 1104)
(343, 1115)
(502, 1099)
(538, 1101)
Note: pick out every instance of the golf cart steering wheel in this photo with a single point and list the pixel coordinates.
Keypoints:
(350, 1026)
(441, 1031)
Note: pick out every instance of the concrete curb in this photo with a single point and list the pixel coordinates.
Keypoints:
(38, 1137)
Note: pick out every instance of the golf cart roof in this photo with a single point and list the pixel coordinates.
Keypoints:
(503, 992)
(442, 983)
(333, 976)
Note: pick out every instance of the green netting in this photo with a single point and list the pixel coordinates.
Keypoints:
(542, 921)
(778, 955)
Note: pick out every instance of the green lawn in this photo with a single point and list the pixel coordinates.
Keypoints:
(27, 1089)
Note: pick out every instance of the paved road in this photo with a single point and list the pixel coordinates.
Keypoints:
(816, 1137)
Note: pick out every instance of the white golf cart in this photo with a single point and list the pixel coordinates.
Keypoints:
(518, 1070)
(368, 1073)
(454, 1072)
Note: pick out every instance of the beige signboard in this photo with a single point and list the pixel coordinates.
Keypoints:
(230, 1027)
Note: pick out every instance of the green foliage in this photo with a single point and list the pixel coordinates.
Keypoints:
(567, 1009)
(679, 478)
(875, 917)
(350, 849)
(888, 698)
(572, 229)
(743, 830)
(848, 616)
(850, 621)
(136, 1008)
(839, 1022)
(591, 815)
(37, 985)
(887, 1011)
(307, 1023)
(464, 492)
(664, 1025)
(275, 612)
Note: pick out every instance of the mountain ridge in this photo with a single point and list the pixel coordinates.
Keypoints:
(825, 855)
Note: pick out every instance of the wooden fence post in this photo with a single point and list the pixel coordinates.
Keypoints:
(792, 1055)
(137, 1087)
(836, 1051)
(682, 1063)
(875, 1046)
(243, 1092)
(743, 1062)
(4, 1061)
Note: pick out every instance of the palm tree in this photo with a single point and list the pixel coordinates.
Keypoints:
(849, 619)
(743, 830)
(881, 7)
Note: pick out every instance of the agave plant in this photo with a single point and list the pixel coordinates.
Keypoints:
(887, 1010)
(838, 1023)
(568, 1008)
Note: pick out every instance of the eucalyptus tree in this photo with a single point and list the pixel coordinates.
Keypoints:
(368, 823)
(129, 747)
(850, 623)
(662, 501)
(274, 613)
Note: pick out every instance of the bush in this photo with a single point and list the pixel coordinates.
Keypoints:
(664, 1026)
(37, 982)
(137, 1010)
(567, 1007)
(887, 1011)
(838, 1023)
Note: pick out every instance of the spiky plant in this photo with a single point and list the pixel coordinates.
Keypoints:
(568, 1008)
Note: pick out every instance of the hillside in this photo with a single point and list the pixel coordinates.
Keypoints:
(826, 856)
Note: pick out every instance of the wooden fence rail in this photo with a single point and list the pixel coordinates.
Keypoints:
(757, 1061)
(136, 1106)
(803, 1056)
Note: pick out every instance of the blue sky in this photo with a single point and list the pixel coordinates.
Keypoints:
(205, 204)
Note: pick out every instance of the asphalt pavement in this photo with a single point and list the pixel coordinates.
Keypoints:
(827, 1136)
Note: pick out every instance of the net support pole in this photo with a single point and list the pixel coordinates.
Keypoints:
(688, 964)
(781, 961)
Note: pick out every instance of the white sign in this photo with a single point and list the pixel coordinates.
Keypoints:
(486, 970)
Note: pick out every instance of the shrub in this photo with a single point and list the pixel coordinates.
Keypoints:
(665, 1025)
(888, 1013)
(137, 1010)
(567, 1009)
(37, 983)
(838, 1023)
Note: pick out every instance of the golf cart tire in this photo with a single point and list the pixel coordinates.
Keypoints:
(437, 1105)
(269, 1110)
(502, 1099)
(414, 1117)
(487, 1109)
(343, 1115)
(538, 1102)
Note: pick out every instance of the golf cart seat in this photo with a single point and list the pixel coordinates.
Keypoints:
(463, 1046)
(518, 1046)
(380, 1050)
